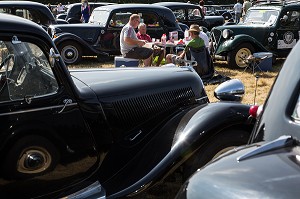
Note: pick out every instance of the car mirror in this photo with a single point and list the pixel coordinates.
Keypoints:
(231, 90)
(53, 57)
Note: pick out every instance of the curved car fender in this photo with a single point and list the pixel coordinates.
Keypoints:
(72, 37)
(231, 44)
(208, 121)
(188, 129)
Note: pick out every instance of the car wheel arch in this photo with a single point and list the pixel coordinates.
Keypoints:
(215, 146)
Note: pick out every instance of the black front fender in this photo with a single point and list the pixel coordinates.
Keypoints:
(207, 121)
(72, 37)
(176, 141)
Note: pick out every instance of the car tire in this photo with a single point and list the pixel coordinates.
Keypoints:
(235, 57)
(30, 156)
(70, 52)
(213, 148)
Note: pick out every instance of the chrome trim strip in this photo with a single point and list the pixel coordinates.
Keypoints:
(94, 190)
(281, 142)
(37, 109)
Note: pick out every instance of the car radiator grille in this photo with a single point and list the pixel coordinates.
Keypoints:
(216, 36)
(134, 111)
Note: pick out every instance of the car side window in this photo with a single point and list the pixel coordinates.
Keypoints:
(291, 19)
(179, 14)
(296, 112)
(194, 14)
(150, 19)
(25, 72)
(119, 19)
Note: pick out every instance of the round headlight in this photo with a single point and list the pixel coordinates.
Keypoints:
(227, 33)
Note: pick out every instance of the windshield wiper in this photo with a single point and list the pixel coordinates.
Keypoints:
(281, 142)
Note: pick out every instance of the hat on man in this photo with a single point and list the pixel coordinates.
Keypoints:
(194, 28)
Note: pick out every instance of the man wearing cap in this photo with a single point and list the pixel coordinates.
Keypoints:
(196, 42)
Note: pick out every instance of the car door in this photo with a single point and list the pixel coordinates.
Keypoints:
(44, 139)
(288, 31)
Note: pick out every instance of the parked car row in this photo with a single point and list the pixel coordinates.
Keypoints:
(100, 133)
(268, 27)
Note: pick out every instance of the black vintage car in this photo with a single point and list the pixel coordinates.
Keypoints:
(269, 166)
(184, 13)
(36, 12)
(73, 12)
(102, 33)
(97, 132)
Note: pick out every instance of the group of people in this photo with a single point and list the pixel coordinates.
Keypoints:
(132, 43)
(85, 10)
(240, 9)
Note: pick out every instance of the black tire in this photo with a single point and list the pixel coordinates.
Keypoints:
(214, 147)
(70, 52)
(235, 57)
(30, 156)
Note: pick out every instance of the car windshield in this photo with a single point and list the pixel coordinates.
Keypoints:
(99, 17)
(267, 17)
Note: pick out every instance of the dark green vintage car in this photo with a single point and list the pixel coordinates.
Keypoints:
(271, 27)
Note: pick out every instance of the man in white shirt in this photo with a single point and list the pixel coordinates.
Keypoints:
(205, 38)
(238, 9)
(131, 46)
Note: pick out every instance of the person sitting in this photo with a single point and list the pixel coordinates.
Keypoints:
(130, 45)
(157, 51)
(196, 50)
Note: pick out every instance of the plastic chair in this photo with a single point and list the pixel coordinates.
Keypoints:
(199, 55)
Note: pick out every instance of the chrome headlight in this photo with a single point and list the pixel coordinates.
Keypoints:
(227, 33)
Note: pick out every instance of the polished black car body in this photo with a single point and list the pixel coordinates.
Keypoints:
(102, 33)
(73, 12)
(184, 14)
(114, 131)
(33, 11)
(218, 10)
(269, 166)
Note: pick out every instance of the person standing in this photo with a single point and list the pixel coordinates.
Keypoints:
(130, 45)
(246, 5)
(85, 11)
(238, 8)
(157, 51)
(60, 8)
(201, 3)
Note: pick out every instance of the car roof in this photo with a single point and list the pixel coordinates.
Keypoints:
(134, 6)
(90, 3)
(28, 5)
(177, 4)
(15, 24)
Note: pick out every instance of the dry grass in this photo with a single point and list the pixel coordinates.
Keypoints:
(264, 82)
